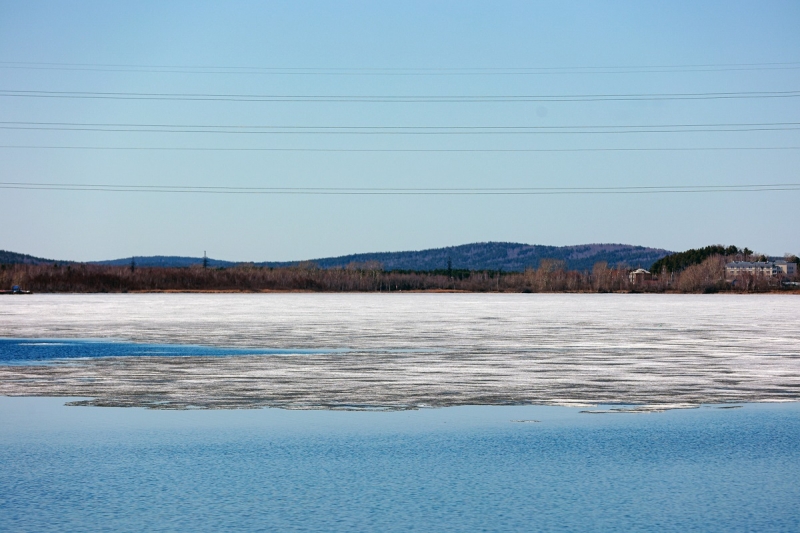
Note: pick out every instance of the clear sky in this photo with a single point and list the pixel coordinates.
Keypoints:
(569, 48)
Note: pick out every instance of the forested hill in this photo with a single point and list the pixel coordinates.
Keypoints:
(166, 261)
(695, 256)
(13, 258)
(506, 256)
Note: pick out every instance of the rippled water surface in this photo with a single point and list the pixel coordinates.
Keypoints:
(458, 469)
(399, 351)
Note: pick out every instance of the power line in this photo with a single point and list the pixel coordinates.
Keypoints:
(386, 191)
(397, 98)
(413, 71)
(400, 150)
(381, 132)
(378, 130)
(390, 128)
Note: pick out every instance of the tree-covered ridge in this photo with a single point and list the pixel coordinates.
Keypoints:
(166, 261)
(13, 258)
(505, 256)
(679, 261)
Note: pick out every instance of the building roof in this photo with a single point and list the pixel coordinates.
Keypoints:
(749, 264)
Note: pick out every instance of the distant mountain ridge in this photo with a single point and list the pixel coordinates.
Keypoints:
(505, 256)
(13, 258)
(171, 261)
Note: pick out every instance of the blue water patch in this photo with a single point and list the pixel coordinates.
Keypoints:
(461, 469)
(37, 351)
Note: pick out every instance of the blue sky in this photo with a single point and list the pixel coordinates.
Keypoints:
(86, 225)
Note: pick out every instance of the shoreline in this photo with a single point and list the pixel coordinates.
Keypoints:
(794, 291)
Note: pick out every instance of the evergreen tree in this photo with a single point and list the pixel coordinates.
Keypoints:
(695, 256)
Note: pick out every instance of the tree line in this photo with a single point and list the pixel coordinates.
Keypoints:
(551, 276)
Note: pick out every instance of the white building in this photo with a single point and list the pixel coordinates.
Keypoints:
(639, 276)
(767, 269)
(789, 268)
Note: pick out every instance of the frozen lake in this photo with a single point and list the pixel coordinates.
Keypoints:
(400, 351)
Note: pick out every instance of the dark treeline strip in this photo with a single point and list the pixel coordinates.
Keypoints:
(551, 276)
(681, 260)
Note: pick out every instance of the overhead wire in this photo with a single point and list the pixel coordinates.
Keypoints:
(279, 126)
(230, 97)
(398, 71)
(400, 191)
(411, 150)
(398, 130)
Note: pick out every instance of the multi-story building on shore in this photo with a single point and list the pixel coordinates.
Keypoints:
(766, 269)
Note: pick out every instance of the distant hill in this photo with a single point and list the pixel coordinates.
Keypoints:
(173, 261)
(13, 258)
(507, 256)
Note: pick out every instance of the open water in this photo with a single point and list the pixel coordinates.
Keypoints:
(465, 469)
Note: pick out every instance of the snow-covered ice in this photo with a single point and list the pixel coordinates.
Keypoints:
(398, 351)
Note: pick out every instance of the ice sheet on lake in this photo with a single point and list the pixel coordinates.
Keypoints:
(414, 350)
